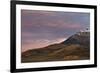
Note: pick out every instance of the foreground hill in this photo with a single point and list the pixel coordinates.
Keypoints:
(76, 47)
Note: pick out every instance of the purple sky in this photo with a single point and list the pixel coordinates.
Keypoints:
(42, 28)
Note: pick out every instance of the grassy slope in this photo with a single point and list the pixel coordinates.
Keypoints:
(56, 53)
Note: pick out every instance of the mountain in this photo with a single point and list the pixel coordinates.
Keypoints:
(76, 47)
(81, 38)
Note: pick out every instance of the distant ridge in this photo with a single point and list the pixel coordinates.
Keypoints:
(76, 47)
(81, 38)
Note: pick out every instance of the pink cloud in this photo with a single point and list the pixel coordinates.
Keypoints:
(38, 12)
(63, 24)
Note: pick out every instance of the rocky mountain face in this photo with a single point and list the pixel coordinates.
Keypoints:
(81, 38)
(76, 47)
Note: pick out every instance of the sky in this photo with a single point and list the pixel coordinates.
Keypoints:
(43, 28)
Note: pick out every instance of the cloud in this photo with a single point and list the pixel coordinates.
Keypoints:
(38, 12)
(63, 25)
(37, 19)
